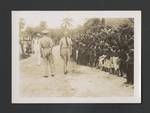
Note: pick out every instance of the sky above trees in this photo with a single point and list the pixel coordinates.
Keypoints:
(55, 19)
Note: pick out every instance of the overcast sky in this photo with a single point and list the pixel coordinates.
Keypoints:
(54, 18)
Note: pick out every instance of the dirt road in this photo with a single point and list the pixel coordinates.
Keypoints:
(81, 81)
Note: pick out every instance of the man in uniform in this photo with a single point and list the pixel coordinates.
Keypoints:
(130, 67)
(66, 51)
(46, 45)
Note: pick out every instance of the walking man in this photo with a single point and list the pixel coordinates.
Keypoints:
(130, 67)
(66, 51)
(46, 45)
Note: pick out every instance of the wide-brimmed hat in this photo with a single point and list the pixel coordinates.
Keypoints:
(45, 31)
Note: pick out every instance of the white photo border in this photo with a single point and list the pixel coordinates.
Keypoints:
(137, 62)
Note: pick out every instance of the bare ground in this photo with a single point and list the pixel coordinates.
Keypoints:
(81, 81)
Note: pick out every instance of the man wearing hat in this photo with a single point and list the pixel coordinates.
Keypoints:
(66, 51)
(46, 45)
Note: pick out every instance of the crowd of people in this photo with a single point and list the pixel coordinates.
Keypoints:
(108, 48)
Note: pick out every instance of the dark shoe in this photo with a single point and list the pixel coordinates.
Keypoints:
(45, 76)
(65, 72)
(52, 75)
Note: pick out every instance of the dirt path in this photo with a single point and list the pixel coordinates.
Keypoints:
(81, 81)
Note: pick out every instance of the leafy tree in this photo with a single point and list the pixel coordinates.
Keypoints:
(30, 31)
(92, 22)
(21, 31)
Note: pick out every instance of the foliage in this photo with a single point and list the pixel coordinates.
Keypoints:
(97, 39)
(92, 39)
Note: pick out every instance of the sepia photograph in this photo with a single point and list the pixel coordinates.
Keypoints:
(76, 56)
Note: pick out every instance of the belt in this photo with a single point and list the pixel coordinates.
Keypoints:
(46, 47)
(65, 47)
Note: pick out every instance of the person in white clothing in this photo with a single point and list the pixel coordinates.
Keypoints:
(116, 61)
(37, 49)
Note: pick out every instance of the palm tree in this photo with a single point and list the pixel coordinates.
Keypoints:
(21, 33)
(43, 25)
(66, 25)
(103, 21)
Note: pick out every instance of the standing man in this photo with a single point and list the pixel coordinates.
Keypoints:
(46, 45)
(130, 67)
(37, 48)
(66, 51)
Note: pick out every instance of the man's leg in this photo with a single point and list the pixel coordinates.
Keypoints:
(38, 59)
(63, 56)
(131, 74)
(65, 64)
(52, 65)
(68, 62)
(45, 66)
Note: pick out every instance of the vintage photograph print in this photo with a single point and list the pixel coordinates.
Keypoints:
(76, 56)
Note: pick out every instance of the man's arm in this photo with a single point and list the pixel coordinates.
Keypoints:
(41, 49)
(60, 43)
(71, 46)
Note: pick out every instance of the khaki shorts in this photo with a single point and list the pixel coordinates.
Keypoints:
(65, 53)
